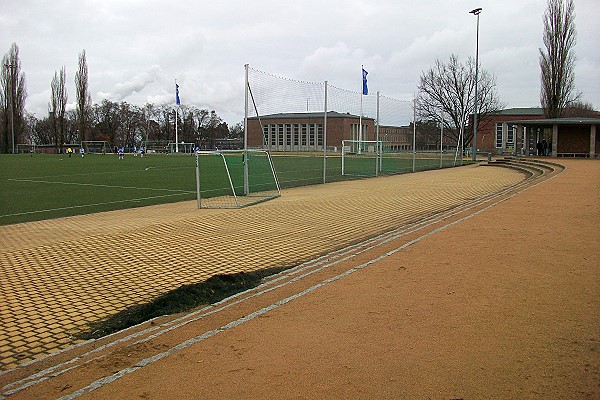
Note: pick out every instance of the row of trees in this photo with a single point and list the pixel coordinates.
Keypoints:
(124, 124)
(118, 123)
(12, 97)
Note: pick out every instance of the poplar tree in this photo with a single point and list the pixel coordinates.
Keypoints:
(557, 59)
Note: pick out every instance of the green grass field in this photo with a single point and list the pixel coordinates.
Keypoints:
(52, 186)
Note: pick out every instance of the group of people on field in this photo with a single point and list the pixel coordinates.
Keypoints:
(121, 152)
(70, 151)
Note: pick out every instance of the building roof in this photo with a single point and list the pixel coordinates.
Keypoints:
(304, 115)
(522, 111)
(558, 121)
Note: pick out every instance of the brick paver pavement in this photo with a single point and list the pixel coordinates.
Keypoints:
(57, 276)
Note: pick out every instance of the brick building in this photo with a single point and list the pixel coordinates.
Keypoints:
(305, 131)
(519, 130)
(497, 133)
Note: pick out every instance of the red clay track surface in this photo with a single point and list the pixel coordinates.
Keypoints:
(495, 297)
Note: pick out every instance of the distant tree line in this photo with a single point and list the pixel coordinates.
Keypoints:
(124, 124)
(119, 123)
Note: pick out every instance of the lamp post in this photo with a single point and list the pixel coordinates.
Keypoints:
(12, 116)
(476, 12)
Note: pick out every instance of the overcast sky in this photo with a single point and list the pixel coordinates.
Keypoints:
(137, 48)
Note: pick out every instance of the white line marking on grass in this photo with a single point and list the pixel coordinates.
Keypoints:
(157, 167)
(100, 185)
(93, 205)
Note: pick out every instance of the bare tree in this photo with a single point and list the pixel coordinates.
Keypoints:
(84, 99)
(449, 89)
(580, 109)
(236, 131)
(57, 106)
(557, 61)
(13, 95)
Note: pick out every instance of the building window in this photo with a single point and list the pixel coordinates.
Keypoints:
(296, 134)
(273, 133)
(320, 135)
(304, 141)
(498, 135)
(265, 135)
(288, 134)
(312, 135)
(280, 136)
(510, 135)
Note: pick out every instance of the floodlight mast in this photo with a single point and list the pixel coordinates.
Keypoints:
(476, 12)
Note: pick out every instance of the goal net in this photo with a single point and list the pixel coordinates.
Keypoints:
(235, 178)
(26, 148)
(96, 146)
(182, 147)
(361, 158)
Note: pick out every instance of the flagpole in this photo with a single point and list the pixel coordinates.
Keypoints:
(362, 68)
(176, 114)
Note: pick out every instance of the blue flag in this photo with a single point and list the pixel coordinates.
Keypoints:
(365, 89)
(177, 101)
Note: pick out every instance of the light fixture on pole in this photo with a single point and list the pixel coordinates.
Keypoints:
(476, 12)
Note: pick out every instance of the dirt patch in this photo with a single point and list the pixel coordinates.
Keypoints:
(184, 298)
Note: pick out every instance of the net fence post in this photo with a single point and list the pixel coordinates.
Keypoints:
(325, 136)
(442, 138)
(198, 181)
(414, 135)
(377, 153)
(343, 151)
(246, 185)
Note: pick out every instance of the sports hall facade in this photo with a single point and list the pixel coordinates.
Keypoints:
(305, 132)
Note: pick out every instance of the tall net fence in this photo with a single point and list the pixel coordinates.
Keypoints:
(273, 94)
(304, 123)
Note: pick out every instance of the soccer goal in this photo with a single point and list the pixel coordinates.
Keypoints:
(361, 158)
(26, 148)
(96, 146)
(182, 147)
(235, 178)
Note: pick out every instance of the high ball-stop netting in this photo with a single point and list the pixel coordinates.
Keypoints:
(273, 94)
(302, 119)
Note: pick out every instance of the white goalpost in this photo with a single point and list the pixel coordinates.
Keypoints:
(361, 157)
(96, 146)
(235, 178)
(180, 147)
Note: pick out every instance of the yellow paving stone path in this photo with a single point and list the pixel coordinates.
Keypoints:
(59, 275)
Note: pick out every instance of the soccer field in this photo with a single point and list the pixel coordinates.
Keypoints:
(51, 186)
